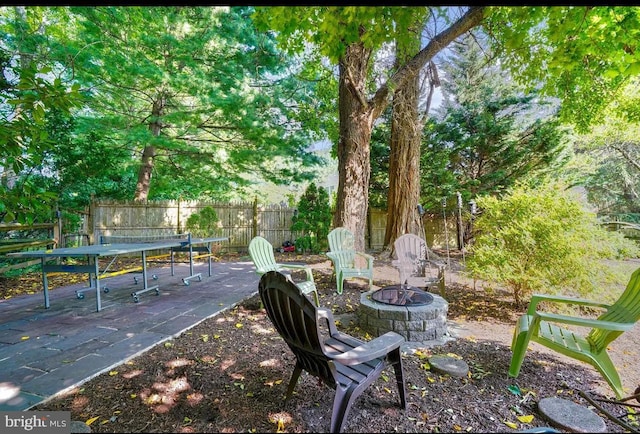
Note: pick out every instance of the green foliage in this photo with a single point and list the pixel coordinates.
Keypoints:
(580, 54)
(379, 179)
(313, 220)
(542, 240)
(204, 223)
(488, 134)
(332, 29)
(197, 90)
(30, 90)
(610, 156)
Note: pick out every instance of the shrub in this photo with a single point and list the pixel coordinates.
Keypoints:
(542, 240)
(313, 220)
(204, 223)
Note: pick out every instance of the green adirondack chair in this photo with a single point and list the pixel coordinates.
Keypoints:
(261, 252)
(543, 328)
(345, 259)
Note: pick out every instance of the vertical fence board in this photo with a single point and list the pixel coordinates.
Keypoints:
(239, 221)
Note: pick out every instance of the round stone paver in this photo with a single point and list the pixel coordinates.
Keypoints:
(571, 416)
(79, 427)
(449, 365)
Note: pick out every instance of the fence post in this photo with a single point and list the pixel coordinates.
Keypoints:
(57, 229)
(460, 228)
(178, 226)
(254, 228)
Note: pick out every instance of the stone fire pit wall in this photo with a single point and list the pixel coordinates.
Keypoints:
(416, 323)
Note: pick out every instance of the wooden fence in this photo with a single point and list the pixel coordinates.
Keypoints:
(239, 221)
(16, 237)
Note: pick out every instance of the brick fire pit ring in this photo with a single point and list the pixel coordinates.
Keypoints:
(420, 322)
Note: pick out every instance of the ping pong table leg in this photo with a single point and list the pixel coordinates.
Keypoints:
(97, 284)
(172, 259)
(186, 280)
(45, 284)
(145, 285)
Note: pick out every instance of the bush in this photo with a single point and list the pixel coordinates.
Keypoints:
(204, 223)
(313, 220)
(542, 240)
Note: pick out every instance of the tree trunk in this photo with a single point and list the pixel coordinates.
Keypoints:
(357, 115)
(404, 158)
(149, 153)
(356, 122)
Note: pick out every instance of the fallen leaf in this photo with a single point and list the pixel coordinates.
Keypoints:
(113, 373)
(525, 418)
(515, 390)
(92, 420)
(510, 424)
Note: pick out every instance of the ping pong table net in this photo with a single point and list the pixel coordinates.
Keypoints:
(130, 239)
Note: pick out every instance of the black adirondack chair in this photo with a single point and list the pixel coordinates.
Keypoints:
(342, 362)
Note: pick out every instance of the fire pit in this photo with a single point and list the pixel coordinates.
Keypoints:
(416, 314)
(402, 295)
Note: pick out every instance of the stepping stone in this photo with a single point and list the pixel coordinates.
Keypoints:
(449, 365)
(79, 427)
(573, 417)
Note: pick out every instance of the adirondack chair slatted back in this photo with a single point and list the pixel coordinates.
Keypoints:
(294, 317)
(261, 252)
(414, 265)
(411, 251)
(342, 362)
(341, 240)
(625, 310)
(347, 262)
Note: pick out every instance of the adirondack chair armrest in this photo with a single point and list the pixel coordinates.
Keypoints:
(367, 256)
(338, 258)
(306, 268)
(583, 322)
(537, 298)
(375, 348)
(332, 256)
(327, 315)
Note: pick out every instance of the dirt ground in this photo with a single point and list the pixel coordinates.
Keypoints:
(229, 374)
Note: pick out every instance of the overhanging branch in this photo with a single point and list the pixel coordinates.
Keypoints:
(469, 20)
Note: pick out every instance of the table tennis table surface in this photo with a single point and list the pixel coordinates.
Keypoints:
(94, 251)
(98, 250)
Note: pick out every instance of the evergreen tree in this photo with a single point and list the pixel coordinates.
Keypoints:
(313, 220)
(194, 95)
(488, 134)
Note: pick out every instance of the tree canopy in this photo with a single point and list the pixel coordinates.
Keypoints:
(487, 134)
(201, 102)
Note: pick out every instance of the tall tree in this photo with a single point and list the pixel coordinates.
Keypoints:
(404, 158)
(577, 54)
(488, 134)
(31, 88)
(349, 36)
(195, 94)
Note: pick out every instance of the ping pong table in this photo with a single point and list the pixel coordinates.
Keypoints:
(92, 253)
